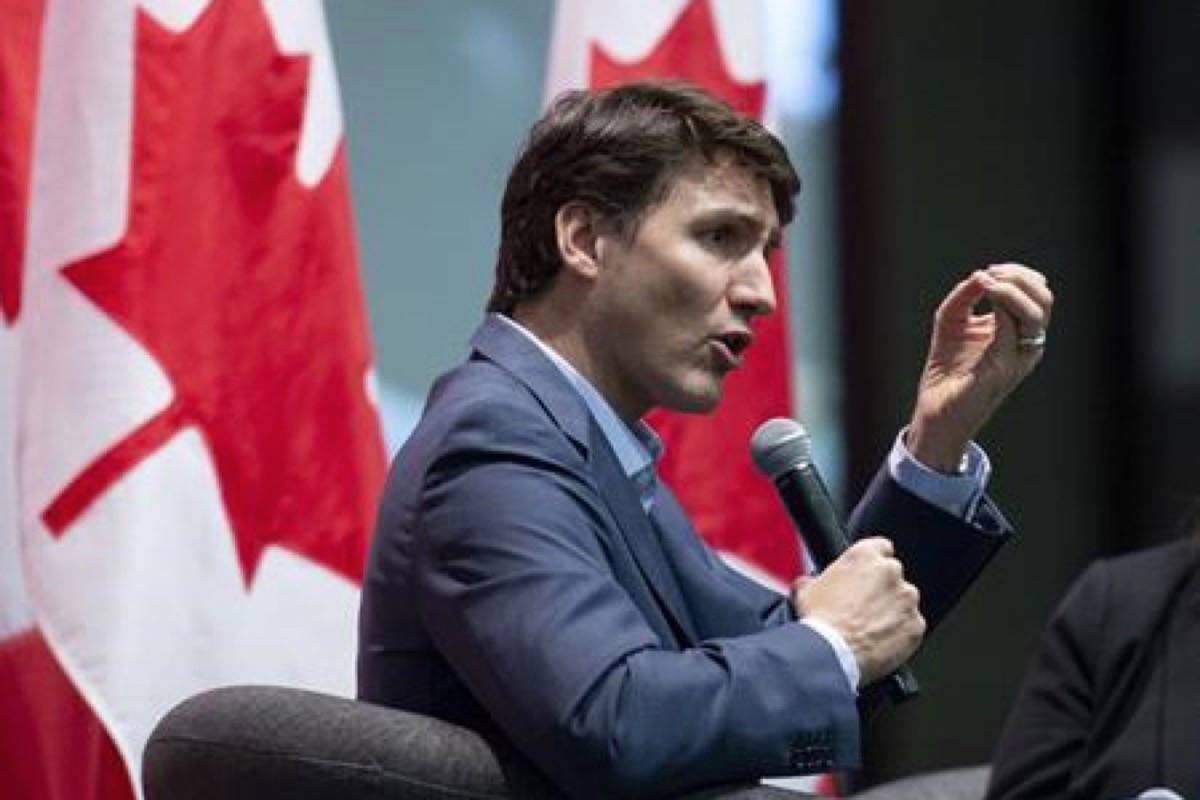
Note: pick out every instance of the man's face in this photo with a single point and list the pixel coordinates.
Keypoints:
(670, 312)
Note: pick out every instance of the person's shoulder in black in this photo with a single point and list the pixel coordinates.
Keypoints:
(1110, 701)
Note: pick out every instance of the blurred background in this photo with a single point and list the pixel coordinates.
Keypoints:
(932, 137)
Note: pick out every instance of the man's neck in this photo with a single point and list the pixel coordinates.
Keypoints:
(563, 334)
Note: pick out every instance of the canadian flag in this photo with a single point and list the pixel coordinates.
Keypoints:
(718, 45)
(189, 451)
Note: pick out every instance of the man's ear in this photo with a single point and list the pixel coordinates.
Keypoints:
(577, 231)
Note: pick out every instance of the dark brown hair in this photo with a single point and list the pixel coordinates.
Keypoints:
(618, 151)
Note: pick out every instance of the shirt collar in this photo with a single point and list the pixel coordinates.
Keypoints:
(637, 448)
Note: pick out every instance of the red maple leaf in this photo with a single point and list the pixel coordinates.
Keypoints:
(242, 284)
(732, 507)
(689, 51)
(20, 45)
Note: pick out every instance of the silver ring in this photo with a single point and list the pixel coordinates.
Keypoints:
(1035, 342)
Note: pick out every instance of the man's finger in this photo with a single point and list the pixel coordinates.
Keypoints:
(1032, 282)
(1013, 269)
(963, 297)
(878, 544)
(1010, 332)
(1011, 298)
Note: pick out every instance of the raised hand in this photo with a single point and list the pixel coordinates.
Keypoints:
(976, 359)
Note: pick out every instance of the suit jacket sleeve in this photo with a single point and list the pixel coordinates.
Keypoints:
(942, 554)
(1046, 733)
(516, 590)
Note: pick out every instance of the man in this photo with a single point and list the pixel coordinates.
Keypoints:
(530, 574)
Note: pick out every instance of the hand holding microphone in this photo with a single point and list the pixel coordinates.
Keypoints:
(864, 596)
(861, 591)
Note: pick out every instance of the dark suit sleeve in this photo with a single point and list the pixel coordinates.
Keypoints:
(516, 591)
(942, 554)
(1046, 733)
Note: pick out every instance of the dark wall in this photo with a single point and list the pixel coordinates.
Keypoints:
(975, 133)
(1165, 204)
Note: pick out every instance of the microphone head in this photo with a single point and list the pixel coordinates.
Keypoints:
(779, 445)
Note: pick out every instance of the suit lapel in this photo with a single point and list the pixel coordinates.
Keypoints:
(621, 496)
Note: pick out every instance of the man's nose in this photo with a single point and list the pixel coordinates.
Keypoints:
(752, 290)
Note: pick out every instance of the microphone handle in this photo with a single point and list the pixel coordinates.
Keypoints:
(826, 538)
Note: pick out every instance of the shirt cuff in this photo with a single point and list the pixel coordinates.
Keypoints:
(845, 655)
(956, 494)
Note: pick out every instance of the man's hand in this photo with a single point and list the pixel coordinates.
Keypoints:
(975, 360)
(864, 596)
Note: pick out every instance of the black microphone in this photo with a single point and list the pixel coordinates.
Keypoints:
(782, 450)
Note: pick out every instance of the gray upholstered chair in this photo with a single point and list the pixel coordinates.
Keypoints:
(266, 742)
(966, 783)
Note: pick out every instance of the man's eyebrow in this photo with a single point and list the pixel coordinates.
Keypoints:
(738, 215)
(745, 218)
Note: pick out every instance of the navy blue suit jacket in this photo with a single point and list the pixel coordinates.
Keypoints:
(515, 582)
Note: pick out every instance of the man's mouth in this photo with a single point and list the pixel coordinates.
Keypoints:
(731, 345)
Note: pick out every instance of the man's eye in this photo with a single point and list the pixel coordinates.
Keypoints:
(717, 237)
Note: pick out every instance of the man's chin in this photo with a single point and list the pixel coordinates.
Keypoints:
(696, 401)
